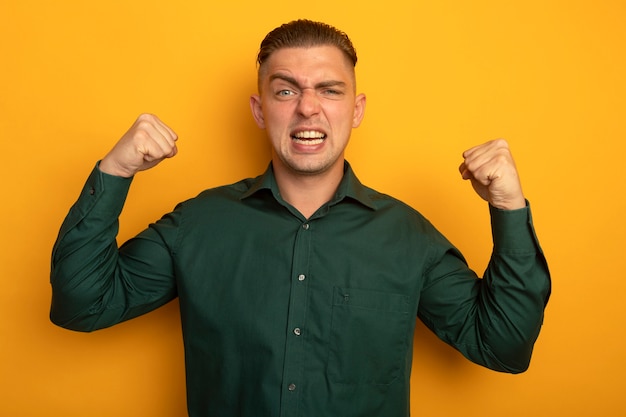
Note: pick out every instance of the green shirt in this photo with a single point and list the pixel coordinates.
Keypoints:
(288, 316)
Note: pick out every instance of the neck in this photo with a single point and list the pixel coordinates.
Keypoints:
(308, 192)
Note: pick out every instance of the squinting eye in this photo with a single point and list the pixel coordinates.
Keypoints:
(332, 92)
(284, 93)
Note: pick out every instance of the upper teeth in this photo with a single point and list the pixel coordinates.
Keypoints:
(309, 134)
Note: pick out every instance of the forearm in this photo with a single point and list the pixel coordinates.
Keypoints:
(84, 255)
(515, 291)
(95, 284)
(493, 321)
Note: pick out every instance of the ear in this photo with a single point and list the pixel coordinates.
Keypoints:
(257, 110)
(359, 110)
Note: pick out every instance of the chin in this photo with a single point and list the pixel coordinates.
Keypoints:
(313, 168)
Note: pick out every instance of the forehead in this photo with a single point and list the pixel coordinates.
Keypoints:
(325, 61)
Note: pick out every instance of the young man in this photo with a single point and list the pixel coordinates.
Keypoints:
(299, 288)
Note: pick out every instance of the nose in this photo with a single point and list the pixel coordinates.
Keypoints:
(309, 103)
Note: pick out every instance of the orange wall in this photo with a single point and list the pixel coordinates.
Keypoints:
(440, 77)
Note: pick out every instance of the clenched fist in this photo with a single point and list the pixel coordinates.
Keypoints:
(491, 169)
(147, 142)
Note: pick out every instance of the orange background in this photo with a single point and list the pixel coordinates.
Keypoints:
(440, 77)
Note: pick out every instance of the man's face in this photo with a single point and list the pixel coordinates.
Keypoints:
(308, 107)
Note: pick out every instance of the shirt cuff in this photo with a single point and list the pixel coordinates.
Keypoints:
(103, 192)
(513, 230)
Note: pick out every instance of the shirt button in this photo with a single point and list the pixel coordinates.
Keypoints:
(297, 331)
(305, 226)
(92, 190)
(301, 277)
(291, 387)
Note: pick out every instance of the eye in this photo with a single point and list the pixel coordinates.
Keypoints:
(284, 93)
(332, 92)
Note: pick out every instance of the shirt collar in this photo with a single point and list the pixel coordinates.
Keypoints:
(349, 187)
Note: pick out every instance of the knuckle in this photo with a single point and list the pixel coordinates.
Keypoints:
(501, 158)
(501, 143)
(141, 135)
(146, 116)
(145, 121)
(140, 131)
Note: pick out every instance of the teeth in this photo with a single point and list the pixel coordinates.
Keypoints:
(308, 141)
(309, 134)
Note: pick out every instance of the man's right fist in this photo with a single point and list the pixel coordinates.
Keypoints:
(147, 142)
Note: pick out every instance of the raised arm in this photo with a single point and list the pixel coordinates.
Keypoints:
(493, 321)
(95, 284)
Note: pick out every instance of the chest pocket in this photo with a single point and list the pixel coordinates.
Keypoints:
(368, 337)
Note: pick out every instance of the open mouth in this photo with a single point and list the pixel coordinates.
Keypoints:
(309, 137)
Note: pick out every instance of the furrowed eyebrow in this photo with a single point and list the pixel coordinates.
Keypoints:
(331, 83)
(292, 81)
(283, 77)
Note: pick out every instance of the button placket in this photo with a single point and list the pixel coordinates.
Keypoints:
(295, 359)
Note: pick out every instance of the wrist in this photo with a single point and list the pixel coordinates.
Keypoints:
(512, 205)
(110, 167)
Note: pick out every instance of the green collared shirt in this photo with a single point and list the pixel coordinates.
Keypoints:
(288, 316)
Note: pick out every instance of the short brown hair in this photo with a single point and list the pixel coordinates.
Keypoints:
(303, 34)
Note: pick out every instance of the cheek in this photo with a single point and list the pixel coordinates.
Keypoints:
(344, 119)
(339, 111)
(276, 127)
(276, 115)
